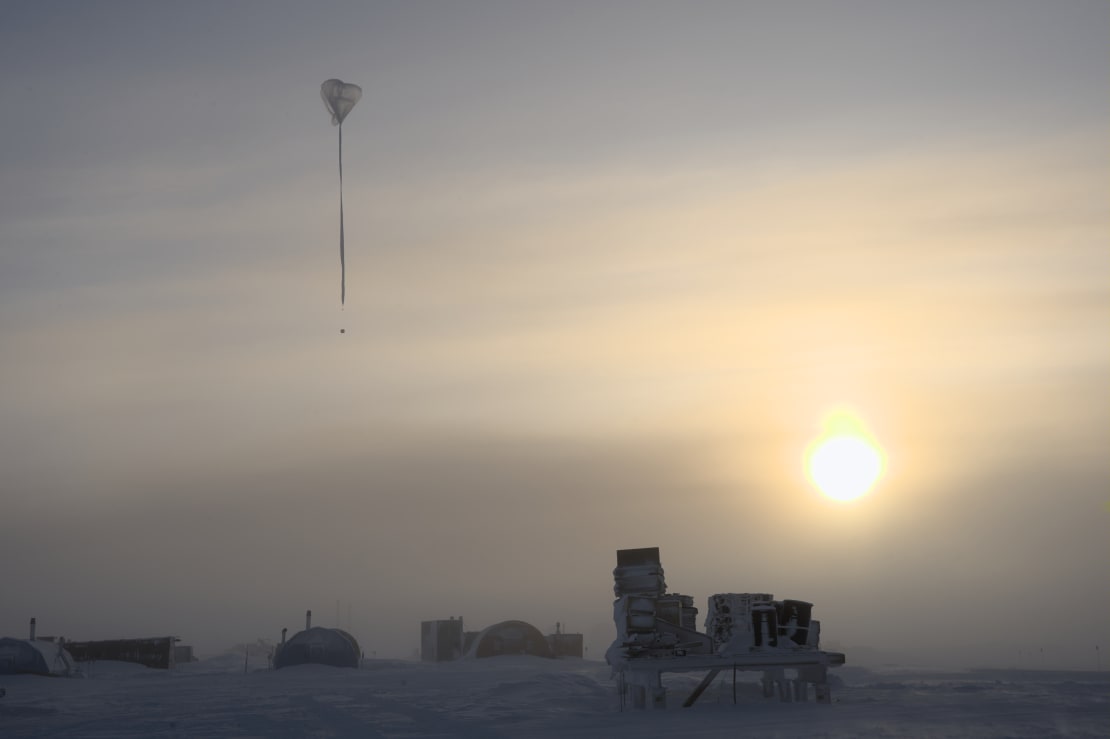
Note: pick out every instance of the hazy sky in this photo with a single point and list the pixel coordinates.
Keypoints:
(609, 266)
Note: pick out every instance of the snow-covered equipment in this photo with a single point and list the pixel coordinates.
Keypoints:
(657, 633)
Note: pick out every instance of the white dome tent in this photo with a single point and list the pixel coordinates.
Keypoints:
(34, 656)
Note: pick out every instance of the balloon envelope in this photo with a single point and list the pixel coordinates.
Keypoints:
(339, 98)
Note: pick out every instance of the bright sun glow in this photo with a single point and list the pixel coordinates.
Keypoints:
(844, 463)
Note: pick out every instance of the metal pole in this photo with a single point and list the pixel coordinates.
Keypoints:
(701, 687)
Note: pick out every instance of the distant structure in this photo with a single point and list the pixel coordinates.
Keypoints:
(565, 645)
(509, 637)
(442, 640)
(35, 656)
(317, 645)
(657, 633)
(156, 652)
(183, 653)
(445, 640)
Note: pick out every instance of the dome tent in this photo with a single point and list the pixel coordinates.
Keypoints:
(34, 656)
(509, 637)
(319, 646)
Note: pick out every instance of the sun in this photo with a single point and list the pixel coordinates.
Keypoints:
(845, 462)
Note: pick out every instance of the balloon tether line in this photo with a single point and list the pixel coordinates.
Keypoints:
(342, 260)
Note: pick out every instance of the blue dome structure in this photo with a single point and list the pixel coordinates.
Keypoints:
(319, 646)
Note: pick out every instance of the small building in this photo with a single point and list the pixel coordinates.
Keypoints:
(441, 640)
(183, 653)
(565, 645)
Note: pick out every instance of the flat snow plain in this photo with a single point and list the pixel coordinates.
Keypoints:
(533, 697)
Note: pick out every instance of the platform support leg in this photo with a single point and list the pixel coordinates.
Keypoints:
(801, 690)
(659, 697)
(819, 676)
(773, 683)
(639, 701)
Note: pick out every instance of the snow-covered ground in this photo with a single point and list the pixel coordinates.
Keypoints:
(533, 697)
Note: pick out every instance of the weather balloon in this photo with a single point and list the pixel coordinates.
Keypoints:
(340, 98)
